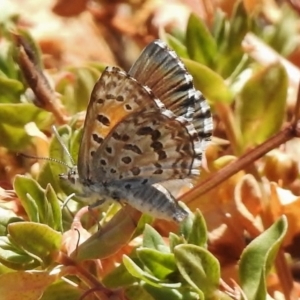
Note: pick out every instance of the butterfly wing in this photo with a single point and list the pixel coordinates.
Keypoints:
(114, 96)
(202, 121)
(159, 68)
(150, 145)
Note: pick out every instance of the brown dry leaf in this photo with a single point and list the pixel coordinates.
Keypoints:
(9, 166)
(225, 235)
(248, 203)
(69, 8)
(29, 285)
(10, 202)
(76, 235)
(59, 37)
(221, 214)
(283, 202)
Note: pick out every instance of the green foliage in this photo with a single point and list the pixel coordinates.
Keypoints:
(200, 44)
(41, 205)
(13, 118)
(260, 105)
(257, 260)
(219, 49)
(77, 86)
(25, 235)
(61, 290)
(167, 272)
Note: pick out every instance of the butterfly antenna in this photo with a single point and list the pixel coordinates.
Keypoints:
(63, 144)
(67, 200)
(45, 158)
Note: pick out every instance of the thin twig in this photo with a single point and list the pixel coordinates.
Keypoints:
(36, 80)
(243, 161)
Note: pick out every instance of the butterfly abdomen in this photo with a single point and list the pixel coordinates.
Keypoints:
(154, 200)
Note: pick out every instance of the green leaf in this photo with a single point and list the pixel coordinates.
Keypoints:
(258, 258)
(152, 239)
(159, 264)
(137, 292)
(200, 44)
(77, 90)
(137, 272)
(177, 46)
(6, 217)
(239, 26)
(230, 50)
(260, 106)
(198, 233)
(107, 241)
(170, 294)
(175, 240)
(124, 278)
(13, 119)
(54, 213)
(15, 258)
(51, 170)
(140, 227)
(8, 67)
(186, 226)
(21, 114)
(41, 205)
(11, 90)
(37, 239)
(30, 195)
(220, 27)
(61, 290)
(209, 83)
(199, 268)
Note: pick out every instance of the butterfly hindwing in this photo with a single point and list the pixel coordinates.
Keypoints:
(159, 68)
(150, 144)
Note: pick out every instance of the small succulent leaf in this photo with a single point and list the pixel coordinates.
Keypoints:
(258, 258)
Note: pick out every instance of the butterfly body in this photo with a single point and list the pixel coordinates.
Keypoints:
(152, 199)
(136, 136)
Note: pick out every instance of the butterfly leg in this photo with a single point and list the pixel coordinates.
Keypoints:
(97, 203)
(94, 205)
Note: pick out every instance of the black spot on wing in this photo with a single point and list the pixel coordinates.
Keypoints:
(103, 120)
(98, 139)
(133, 148)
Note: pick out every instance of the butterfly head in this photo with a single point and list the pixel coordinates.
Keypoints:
(72, 177)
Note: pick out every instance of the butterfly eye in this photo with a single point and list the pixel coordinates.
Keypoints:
(71, 177)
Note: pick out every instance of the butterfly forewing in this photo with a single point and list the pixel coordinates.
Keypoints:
(150, 144)
(114, 96)
(159, 68)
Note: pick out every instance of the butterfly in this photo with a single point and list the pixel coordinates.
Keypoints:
(142, 128)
